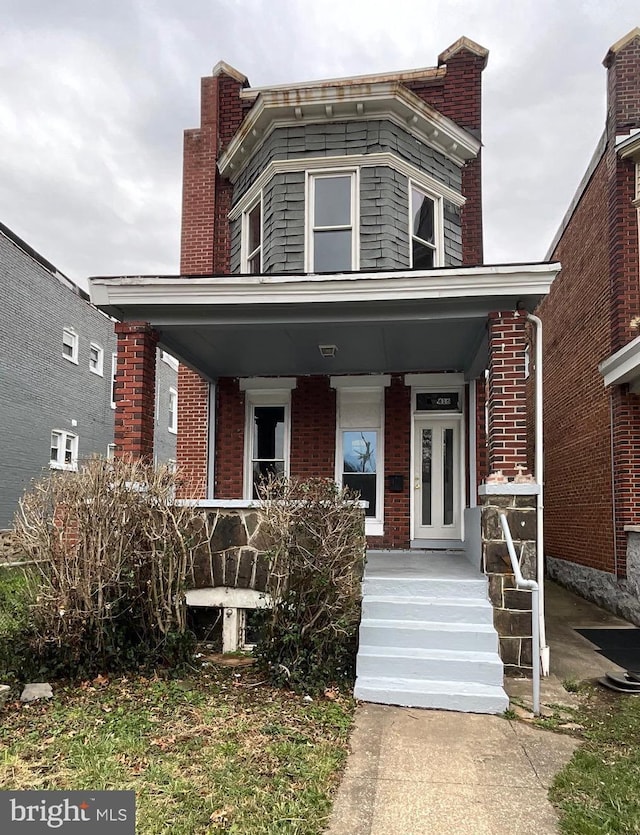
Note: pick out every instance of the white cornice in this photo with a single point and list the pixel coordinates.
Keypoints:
(347, 161)
(470, 282)
(383, 100)
(360, 381)
(628, 147)
(623, 366)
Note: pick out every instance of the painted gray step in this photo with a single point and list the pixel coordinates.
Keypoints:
(400, 633)
(399, 586)
(441, 609)
(468, 697)
(437, 664)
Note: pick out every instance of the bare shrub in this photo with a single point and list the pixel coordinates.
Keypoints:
(112, 549)
(310, 635)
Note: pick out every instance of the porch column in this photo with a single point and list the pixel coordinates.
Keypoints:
(507, 393)
(135, 389)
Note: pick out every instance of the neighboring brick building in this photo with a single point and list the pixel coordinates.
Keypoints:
(333, 314)
(592, 362)
(56, 406)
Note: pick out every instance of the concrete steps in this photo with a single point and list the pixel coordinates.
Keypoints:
(427, 636)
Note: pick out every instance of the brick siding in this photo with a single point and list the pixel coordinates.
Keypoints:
(135, 389)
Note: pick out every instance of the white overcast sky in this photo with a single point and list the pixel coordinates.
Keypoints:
(95, 95)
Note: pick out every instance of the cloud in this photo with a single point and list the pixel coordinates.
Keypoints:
(96, 96)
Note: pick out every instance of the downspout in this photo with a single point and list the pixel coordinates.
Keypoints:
(539, 476)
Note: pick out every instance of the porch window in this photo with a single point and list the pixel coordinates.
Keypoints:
(359, 450)
(359, 442)
(423, 230)
(252, 239)
(267, 430)
(331, 218)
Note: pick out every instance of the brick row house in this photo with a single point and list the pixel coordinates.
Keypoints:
(334, 318)
(592, 362)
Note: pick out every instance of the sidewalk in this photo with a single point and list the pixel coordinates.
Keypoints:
(428, 772)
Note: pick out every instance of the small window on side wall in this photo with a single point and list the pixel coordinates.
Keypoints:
(70, 345)
(173, 411)
(252, 240)
(64, 450)
(114, 368)
(423, 231)
(96, 359)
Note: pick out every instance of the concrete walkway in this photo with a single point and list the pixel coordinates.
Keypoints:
(427, 772)
(423, 772)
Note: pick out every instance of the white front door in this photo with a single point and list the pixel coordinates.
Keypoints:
(436, 478)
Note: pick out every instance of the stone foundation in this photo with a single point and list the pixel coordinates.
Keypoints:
(512, 610)
(617, 595)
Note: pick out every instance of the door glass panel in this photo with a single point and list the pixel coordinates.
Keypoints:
(447, 467)
(427, 475)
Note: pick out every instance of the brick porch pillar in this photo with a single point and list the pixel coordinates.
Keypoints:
(507, 393)
(135, 389)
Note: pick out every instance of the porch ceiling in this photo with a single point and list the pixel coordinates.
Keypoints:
(241, 326)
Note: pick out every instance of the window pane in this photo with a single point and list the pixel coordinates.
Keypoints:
(365, 485)
(254, 229)
(268, 433)
(254, 264)
(262, 470)
(448, 476)
(68, 450)
(55, 440)
(426, 476)
(422, 217)
(332, 251)
(422, 256)
(359, 452)
(332, 201)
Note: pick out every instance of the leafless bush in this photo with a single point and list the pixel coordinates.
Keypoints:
(112, 549)
(315, 570)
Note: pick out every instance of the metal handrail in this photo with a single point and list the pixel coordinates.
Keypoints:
(532, 586)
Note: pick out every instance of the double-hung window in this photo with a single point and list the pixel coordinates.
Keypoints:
(252, 240)
(64, 450)
(424, 231)
(332, 222)
(96, 359)
(359, 443)
(70, 345)
(173, 411)
(267, 431)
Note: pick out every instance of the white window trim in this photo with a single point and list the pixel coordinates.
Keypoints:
(99, 369)
(170, 360)
(373, 525)
(75, 342)
(311, 175)
(114, 368)
(173, 415)
(111, 452)
(244, 239)
(438, 223)
(63, 436)
(268, 396)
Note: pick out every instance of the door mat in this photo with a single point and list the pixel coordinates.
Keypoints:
(621, 646)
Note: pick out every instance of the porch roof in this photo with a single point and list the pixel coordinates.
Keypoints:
(259, 325)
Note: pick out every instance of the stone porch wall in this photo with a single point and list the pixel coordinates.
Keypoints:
(230, 550)
(512, 608)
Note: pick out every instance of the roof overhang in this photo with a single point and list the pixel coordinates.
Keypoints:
(623, 366)
(628, 147)
(391, 100)
(245, 325)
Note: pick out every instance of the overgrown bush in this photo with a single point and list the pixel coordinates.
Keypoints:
(310, 636)
(112, 549)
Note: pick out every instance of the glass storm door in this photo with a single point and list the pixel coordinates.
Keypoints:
(436, 479)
